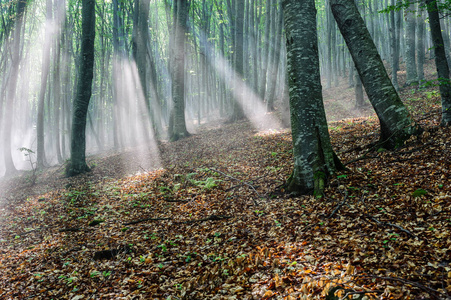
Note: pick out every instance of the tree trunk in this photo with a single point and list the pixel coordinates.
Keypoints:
(275, 57)
(178, 128)
(420, 43)
(238, 112)
(397, 125)
(395, 22)
(77, 163)
(11, 91)
(411, 68)
(314, 159)
(40, 153)
(440, 61)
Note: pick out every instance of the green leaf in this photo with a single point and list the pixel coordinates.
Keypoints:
(419, 193)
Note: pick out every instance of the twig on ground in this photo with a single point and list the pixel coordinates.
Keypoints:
(209, 218)
(71, 229)
(390, 224)
(145, 220)
(174, 200)
(433, 292)
(338, 207)
(243, 183)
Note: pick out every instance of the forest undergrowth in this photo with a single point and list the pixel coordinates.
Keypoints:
(214, 222)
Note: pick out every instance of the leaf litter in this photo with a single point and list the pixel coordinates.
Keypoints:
(215, 223)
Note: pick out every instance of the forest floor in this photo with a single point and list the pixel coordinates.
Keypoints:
(213, 221)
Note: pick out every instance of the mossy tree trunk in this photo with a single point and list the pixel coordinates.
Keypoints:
(78, 163)
(314, 159)
(397, 125)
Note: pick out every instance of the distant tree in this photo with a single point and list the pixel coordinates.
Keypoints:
(177, 125)
(238, 112)
(77, 164)
(40, 153)
(411, 67)
(12, 84)
(314, 159)
(397, 125)
(395, 26)
(440, 61)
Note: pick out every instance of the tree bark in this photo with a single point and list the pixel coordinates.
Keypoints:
(238, 112)
(10, 169)
(441, 62)
(397, 125)
(78, 163)
(411, 67)
(314, 159)
(40, 153)
(178, 129)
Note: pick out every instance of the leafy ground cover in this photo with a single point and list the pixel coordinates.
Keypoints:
(214, 222)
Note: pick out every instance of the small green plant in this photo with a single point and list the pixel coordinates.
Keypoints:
(28, 153)
(106, 274)
(419, 193)
(94, 274)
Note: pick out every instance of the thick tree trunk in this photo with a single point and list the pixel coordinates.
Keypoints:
(397, 125)
(77, 163)
(314, 159)
(440, 61)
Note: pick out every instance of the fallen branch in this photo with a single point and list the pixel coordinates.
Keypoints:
(244, 183)
(173, 200)
(338, 207)
(209, 218)
(71, 229)
(364, 156)
(433, 292)
(145, 220)
(391, 224)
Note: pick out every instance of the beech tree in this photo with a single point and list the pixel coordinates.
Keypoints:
(397, 125)
(12, 84)
(314, 159)
(441, 62)
(78, 163)
(177, 128)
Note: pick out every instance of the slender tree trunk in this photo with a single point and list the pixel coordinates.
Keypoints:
(59, 12)
(238, 112)
(440, 61)
(178, 129)
(10, 169)
(80, 110)
(275, 57)
(411, 68)
(397, 125)
(266, 49)
(40, 154)
(395, 22)
(420, 42)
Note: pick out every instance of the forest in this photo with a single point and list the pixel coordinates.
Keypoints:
(225, 149)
